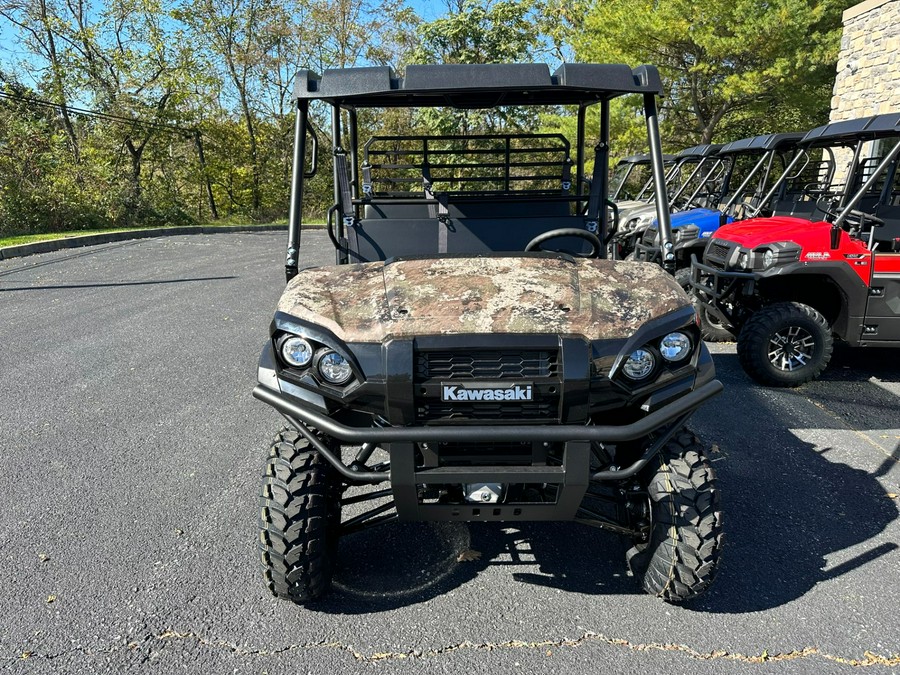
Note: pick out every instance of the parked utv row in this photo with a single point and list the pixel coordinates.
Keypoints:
(502, 336)
(823, 263)
(783, 249)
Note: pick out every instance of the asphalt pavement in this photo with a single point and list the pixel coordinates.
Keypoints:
(130, 457)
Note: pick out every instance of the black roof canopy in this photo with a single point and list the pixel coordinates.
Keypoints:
(476, 85)
(643, 159)
(704, 150)
(850, 131)
(760, 144)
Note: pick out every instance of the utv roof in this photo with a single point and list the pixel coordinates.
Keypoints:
(760, 144)
(643, 159)
(476, 85)
(848, 131)
(700, 150)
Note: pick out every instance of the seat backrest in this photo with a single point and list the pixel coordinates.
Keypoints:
(379, 239)
(799, 209)
(492, 208)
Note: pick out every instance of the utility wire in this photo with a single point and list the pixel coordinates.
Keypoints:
(187, 131)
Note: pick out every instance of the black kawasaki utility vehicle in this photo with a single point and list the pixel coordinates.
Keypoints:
(790, 283)
(472, 349)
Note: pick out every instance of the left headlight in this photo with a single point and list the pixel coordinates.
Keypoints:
(334, 368)
(639, 365)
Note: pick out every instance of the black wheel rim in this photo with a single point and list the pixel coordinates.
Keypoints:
(713, 321)
(791, 348)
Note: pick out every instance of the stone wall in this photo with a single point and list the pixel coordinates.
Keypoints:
(868, 69)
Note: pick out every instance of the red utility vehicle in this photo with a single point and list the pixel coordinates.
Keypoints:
(789, 286)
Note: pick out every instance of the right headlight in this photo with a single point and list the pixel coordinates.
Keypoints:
(675, 347)
(296, 351)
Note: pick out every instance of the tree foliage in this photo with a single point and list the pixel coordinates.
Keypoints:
(166, 75)
(731, 67)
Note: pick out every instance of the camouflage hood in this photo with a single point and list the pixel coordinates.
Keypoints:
(599, 299)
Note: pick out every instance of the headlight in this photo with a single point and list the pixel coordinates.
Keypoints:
(675, 346)
(686, 232)
(639, 365)
(297, 352)
(334, 368)
(743, 260)
(768, 258)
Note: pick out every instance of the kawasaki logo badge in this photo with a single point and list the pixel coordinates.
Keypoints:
(483, 392)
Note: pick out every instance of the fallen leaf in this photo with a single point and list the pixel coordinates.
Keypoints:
(51, 598)
(892, 495)
(26, 655)
(43, 557)
(468, 556)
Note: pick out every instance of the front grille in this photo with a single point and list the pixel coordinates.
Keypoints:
(717, 250)
(486, 365)
(649, 238)
(539, 368)
(459, 411)
(510, 453)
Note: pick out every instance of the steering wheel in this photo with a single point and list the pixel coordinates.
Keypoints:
(590, 237)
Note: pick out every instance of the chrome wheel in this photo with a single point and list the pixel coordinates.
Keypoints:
(791, 348)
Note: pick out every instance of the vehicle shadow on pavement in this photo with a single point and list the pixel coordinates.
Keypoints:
(408, 563)
(796, 513)
(791, 506)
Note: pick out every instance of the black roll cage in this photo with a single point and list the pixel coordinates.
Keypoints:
(467, 87)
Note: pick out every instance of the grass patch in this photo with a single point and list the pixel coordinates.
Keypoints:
(47, 236)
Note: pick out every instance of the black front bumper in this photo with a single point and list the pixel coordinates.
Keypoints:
(720, 291)
(571, 477)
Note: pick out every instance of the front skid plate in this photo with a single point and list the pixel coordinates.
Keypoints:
(572, 479)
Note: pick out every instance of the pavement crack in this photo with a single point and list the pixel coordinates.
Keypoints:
(868, 659)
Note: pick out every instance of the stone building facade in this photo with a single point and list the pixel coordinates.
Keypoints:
(868, 68)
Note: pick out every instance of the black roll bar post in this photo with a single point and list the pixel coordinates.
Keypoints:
(579, 150)
(295, 216)
(602, 158)
(663, 217)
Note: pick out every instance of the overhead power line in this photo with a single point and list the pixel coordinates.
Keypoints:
(187, 131)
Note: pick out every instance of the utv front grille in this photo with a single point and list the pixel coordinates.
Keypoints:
(538, 368)
(717, 250)
(717, 255)
(649, 238)
(486, 365)
(456, 411)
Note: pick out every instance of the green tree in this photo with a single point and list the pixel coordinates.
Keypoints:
(730, 67)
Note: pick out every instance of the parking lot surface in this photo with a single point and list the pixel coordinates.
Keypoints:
(130, 456)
